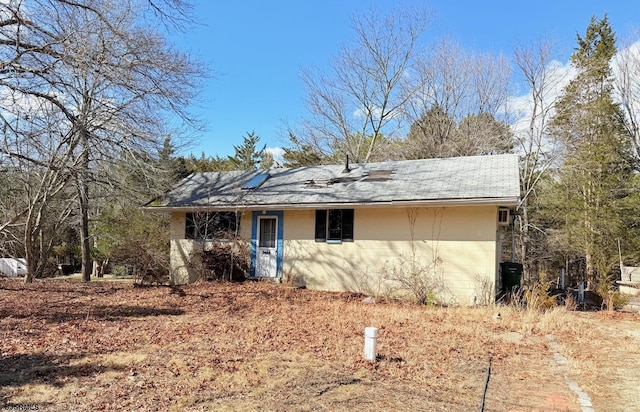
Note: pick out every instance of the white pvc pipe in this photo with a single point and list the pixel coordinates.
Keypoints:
(370, 338)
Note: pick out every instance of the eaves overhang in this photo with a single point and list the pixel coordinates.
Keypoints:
(490, 201)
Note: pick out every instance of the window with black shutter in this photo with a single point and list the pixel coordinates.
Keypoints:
(334, 225)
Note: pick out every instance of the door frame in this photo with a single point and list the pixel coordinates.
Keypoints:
(270, 270)
(279, 242)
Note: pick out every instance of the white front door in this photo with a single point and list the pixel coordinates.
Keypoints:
(266, 261)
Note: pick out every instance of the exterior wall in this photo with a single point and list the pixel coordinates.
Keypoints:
(456, 246)
(181, 271)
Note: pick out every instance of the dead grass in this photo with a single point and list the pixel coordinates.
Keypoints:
(256, 346)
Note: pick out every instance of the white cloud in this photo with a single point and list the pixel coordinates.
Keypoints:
(626, 70)
(362, 113)
(520, 107)
(278, 155)
(560, 74)
(628, 54)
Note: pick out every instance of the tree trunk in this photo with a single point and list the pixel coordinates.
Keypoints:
(31, 252)
(83, 197)
(87, 265)
(588, 260)
(524, 240)
(32, 265)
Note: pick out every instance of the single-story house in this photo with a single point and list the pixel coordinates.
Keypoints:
(372, 228)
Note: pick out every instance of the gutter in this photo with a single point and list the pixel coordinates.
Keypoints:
(503, 201)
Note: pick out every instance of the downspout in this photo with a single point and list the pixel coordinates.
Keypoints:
(513, 238)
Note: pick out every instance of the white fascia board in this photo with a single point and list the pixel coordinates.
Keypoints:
(503, 201)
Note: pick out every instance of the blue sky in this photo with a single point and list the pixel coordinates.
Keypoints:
(257, 49)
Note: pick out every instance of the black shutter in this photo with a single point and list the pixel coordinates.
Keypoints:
(321, 225)
(347, 225)
(189, 227)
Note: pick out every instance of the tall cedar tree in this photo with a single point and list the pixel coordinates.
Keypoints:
(299, 154)
(247, 156)
(590, 188)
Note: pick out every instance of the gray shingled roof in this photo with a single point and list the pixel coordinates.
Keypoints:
(460, 180)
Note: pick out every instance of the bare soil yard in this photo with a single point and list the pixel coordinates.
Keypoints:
(69, 346)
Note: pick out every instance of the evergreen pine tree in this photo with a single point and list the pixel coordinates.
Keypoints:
(598, 162)
(300, 154)
(247, 156)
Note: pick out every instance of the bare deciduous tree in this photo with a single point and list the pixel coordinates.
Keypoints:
(542, 79)
(626, 70)
(108, 80)
(469, 93)
(359, 103)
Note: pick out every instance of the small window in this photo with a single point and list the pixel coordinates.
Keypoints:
(334, 225)
(503, 217)
(211, 225)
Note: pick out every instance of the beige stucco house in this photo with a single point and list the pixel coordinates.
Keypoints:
(377, 228)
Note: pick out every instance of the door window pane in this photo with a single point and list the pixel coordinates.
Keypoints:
(267, 233)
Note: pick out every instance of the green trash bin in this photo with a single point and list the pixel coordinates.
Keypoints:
(511, 274)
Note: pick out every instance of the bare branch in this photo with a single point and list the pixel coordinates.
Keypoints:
(357, 106)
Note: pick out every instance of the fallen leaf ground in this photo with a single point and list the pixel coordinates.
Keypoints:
(69, 346)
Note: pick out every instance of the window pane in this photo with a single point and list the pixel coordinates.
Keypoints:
(267, 233)
(206, 225)
(211, 225)
(321, 225)
(226, 222)
(335, 224)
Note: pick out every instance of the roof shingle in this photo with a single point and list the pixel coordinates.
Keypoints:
(489, 179)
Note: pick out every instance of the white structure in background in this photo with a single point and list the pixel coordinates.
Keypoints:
(13, 267)
(630, 282)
